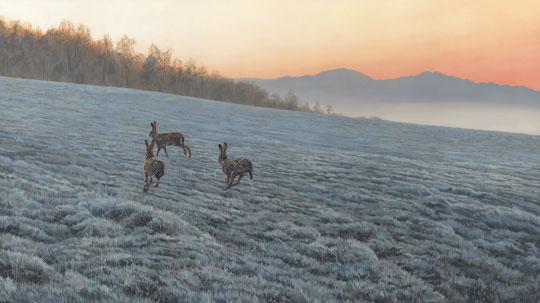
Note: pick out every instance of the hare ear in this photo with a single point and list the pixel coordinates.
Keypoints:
(225, 144)
(220, 148)
(152, 124)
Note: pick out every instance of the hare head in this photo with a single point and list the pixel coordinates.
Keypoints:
(223, 152)
(149, 149)
(153, 132)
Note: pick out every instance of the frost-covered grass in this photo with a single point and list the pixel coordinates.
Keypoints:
(339, 210)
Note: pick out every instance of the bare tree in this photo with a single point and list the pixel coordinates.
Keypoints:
(149, 70)
(75, 42)
(68, 53)
(329, 109)
(125, 48)
(291, 100)
(105, 57)
(317, 108)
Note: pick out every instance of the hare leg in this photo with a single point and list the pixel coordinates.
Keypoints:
(158, 149)
(230, 181)
(187, 150)
(239, 177)
(144, 187)
(228, 177)
(250, 175)
(156, 185)
(165, 150)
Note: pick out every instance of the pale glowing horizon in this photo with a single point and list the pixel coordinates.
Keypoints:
(485, 41)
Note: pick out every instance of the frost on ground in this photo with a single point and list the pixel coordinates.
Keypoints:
(339, 210)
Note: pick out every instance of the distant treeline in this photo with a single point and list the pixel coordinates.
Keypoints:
(68, 53)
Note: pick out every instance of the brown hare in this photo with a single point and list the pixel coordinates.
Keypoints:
(168, 138)
(233, 167)
(152, 167)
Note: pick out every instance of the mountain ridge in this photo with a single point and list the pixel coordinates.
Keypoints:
(430, 97)
(365, 76)
(348, 88)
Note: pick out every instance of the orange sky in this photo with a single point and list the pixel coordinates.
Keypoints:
(497, 41)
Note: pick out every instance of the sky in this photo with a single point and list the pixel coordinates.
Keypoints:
(485, 41)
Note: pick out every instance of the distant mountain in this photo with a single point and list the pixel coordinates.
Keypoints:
(428, 98)
(350, 90)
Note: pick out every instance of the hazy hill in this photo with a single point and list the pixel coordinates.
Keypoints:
(428, 98)
(339, 209)
(348, 87)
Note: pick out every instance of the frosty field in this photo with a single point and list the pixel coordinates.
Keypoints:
(339, 209)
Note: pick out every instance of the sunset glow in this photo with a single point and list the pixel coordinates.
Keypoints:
(485, 41)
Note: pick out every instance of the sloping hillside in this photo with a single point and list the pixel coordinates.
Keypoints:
(339, 210)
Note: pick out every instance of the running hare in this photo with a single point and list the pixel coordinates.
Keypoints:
(168, 138)
(151, 167)
(233, 167)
